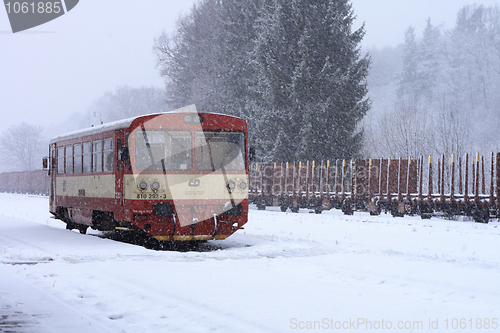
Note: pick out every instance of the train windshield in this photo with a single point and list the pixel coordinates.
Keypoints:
(164, 150)
(215, 150)
(159, 150)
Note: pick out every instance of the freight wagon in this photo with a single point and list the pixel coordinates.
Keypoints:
(461, 186)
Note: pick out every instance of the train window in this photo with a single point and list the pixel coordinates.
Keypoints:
(163, 150)
(77, 154)
(181, 152)
(97, 156)
(220, 150)
(60, 160)
(87, 159)
(69, 159)
(108, 154)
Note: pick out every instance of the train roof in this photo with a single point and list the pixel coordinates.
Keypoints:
(115, 125)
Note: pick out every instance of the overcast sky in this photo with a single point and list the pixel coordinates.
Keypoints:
(58, 68)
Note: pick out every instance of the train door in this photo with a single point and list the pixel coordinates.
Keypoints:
(120, 168)
(53, 175)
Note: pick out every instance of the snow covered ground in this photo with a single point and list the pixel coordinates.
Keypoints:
(285, 272)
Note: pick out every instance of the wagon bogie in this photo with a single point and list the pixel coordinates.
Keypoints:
(480, 214)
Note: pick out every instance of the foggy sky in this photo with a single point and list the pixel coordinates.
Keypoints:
(51, 71)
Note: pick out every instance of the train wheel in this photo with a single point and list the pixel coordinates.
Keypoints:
(83, 229)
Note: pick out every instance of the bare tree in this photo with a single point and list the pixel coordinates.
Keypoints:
(20, 146)
(452, 128)
(406, 131)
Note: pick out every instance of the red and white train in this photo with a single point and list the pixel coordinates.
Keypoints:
(180, 175)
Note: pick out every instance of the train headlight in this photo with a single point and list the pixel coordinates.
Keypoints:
(142, 185)
(231, 185)
(155, 186)
(242, 185)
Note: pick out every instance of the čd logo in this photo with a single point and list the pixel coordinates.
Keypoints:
(194, 182)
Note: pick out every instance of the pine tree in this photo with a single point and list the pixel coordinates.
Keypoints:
(409, 78)
(429, 53)
(311, 78)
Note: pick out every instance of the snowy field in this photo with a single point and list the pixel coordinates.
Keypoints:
(284, 273)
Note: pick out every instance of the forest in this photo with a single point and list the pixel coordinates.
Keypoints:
(437, 93)
(297, 72)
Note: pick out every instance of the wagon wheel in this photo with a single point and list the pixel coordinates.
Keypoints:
(409, 209)
(481, 215)
(376, 212)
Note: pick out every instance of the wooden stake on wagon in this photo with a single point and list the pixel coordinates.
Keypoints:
(466, 180)
(452, 188)
(429, 188)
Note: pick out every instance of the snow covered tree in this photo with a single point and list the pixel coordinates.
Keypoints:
(409, 81)
(473, 68)
(205, 62)
(430, 57)
(446, 94)
(274, 63)
(311, 80)
(189, 57)
(21, 147)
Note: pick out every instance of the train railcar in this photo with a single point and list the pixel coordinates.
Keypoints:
(177, 176)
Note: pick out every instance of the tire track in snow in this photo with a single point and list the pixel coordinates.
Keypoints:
(29, 308)
(190, 311)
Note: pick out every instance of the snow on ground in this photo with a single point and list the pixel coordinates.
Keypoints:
(285, 272)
